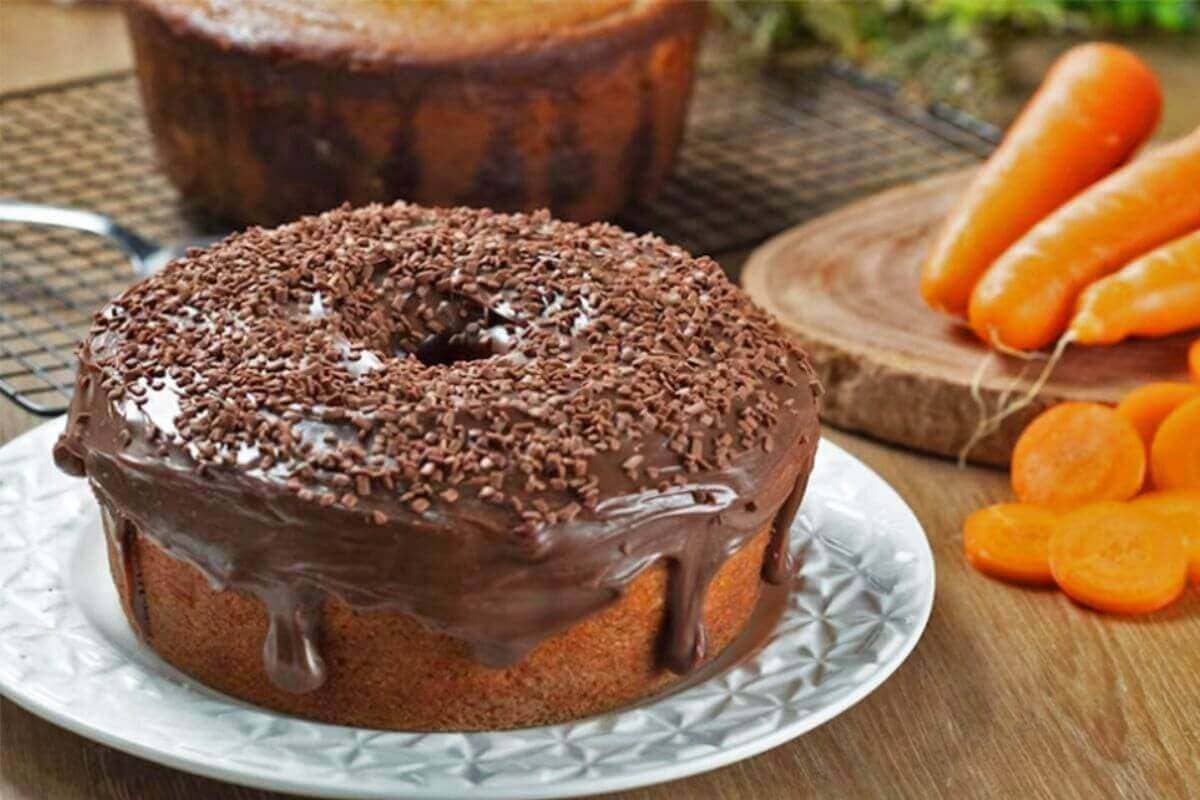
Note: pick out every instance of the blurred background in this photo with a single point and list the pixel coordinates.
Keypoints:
(984, 56)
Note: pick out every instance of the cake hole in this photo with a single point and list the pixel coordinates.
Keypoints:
(449, 348)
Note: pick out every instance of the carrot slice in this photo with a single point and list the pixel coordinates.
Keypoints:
(1096, 105)
(1026, 297)
(1194, 360)
(1010, 541)
(1175, 452)
(1078, 453)
(1181, 510)
(1147, 406)
(1155, 295)
(1118, 557)
(1191, 543)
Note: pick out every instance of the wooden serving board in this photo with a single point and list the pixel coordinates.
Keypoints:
(845, 285)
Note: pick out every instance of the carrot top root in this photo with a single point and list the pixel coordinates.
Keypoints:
(1147, 406)
(1078, 453)
(1175, 451)
(1118, 557)
(1010, 541)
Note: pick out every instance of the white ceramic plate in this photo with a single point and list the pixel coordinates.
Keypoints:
(67, 654)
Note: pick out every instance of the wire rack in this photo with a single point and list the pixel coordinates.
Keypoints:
(762, 152)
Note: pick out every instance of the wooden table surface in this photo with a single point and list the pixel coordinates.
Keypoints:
(1011, 693)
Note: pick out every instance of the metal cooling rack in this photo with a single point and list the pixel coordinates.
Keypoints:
(760, 155)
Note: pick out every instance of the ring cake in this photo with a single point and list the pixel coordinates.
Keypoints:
(426, 469)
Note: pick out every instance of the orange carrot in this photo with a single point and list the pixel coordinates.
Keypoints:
(1155, 295)
(1180, 508)
(1118, 557)
(1078, 453)
(1175, 452)
(1147, 406)
(1026, 297)
(1010, 541)
(1194, 360)
(1096, 105)
(1191, 543)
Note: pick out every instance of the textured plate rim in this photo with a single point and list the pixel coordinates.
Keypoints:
(571, 787)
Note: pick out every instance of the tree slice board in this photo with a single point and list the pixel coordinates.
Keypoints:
(845, 285)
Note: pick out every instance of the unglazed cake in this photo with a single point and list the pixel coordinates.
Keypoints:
(263, 110)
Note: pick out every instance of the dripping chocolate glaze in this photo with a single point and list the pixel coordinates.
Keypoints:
(214, 430)
(122, 536)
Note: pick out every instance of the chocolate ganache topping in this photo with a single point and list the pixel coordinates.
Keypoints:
(490, 422)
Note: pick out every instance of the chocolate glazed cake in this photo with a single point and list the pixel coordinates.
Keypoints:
(441, 469)
(263, 110)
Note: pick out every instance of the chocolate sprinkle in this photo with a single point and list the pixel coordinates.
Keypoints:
(431, 337)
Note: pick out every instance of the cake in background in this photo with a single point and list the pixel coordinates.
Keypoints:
(264, 110)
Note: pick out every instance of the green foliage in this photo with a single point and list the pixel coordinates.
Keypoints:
(1177, 16)
(946, 49)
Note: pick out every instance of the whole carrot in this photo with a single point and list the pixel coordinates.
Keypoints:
(1025, 299)
(1155, 295)
(1097, 104)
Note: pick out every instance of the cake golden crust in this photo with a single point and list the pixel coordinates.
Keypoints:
(388, 671)
(261, 123)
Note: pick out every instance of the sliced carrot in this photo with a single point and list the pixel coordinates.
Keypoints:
(1147, 406)
(1078, 453)
(1096, 105)
(1118, 557)
(1191, 543)
(1026, 297)
(1181, 510)
(1155, 295)
(1175, 452)
(1010, 541)
(1194, 360)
